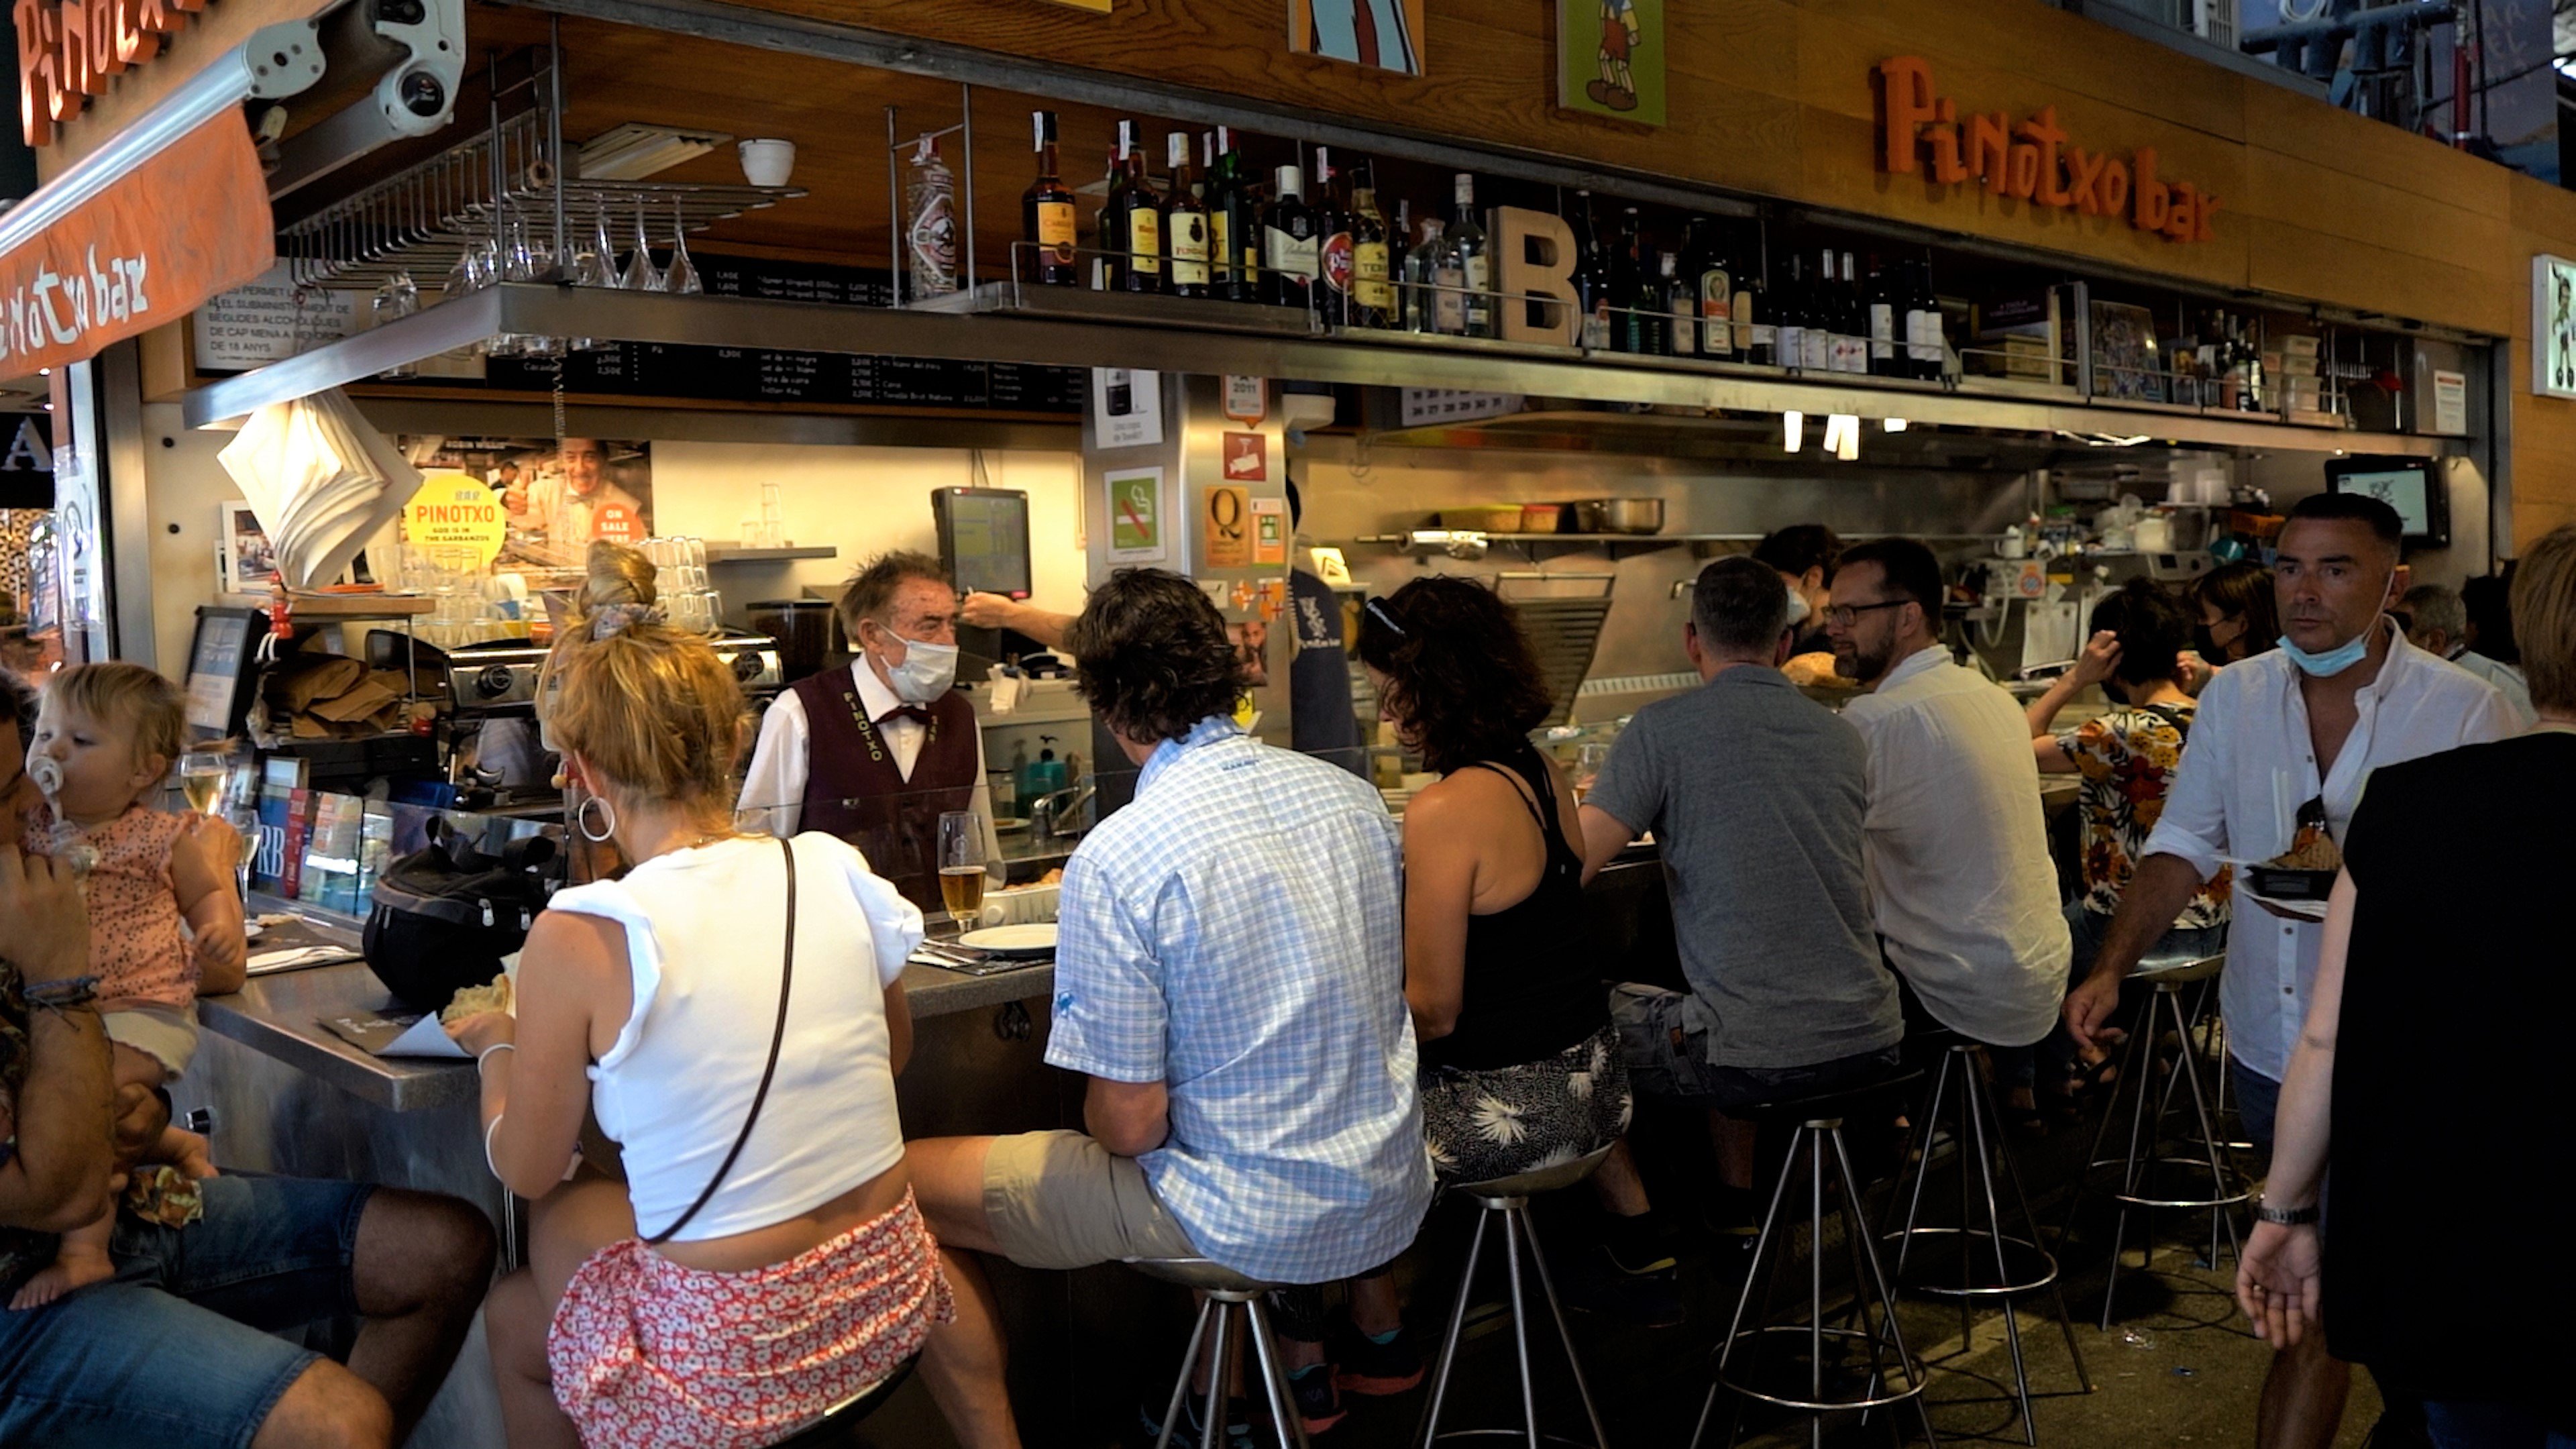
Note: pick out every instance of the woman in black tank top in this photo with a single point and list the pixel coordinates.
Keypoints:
(1518, 1064)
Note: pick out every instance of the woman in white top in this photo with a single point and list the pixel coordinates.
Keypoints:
(737, 1285)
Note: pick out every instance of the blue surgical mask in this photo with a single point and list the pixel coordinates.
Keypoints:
(926, 672)
(2333, 661)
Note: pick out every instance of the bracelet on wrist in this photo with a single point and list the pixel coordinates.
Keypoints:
(2287, 1217)
(498, 1046)
(57, 996)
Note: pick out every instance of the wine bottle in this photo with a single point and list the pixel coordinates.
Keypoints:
(1466, 237)
(1755, 337)
(1241, 227)
(1422, 280)
(1884, 360)
(1789, 314)
(1132, 220)
(1288, 244)
(1448, 281)
(1680, 297)
(1047, 214)
(1824, 317)
(1590, 281)
(1635, 298)
(1713, 290)
(1220, 249)
(1332, 243)
(1925, 346)
(1399, 260)
(1185, 223)
(1853, 336)
(1372, 301)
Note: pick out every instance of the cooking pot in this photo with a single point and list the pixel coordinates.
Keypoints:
(1619, 515)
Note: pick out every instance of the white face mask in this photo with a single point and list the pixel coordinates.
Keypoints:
(1798, 610)
(926, 673)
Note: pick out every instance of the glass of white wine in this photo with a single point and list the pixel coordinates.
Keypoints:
(201, 779)
(961, 867)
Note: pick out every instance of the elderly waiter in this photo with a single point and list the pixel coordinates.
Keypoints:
(877, 752)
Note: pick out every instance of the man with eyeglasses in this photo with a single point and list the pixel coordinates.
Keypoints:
(1960, 881)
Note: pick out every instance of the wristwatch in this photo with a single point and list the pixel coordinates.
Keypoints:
(2286, 1217)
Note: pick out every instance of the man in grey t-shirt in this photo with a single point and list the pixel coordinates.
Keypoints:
(1756, 796)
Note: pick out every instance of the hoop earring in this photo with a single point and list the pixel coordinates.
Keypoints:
(607, 819)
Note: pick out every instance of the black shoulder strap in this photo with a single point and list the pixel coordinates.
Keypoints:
(2173, 715)
(777, 1038)
(1509, 773)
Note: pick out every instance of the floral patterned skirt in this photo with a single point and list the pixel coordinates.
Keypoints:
(648, 1354)
(1480, 1125)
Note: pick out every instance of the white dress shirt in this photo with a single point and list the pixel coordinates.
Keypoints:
(773, 788)
(1960, 879)
(2252, 763)
(2507, 680)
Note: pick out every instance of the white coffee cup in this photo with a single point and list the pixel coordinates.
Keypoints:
(767, 161)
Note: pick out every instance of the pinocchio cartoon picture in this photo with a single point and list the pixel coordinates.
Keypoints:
(1616, 86)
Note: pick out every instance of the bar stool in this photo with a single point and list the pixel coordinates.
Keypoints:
(1225, 1290)
(1508, 1198)
(2020, 1264)
(2167, 976)
(838, 1427)
(1819, 1122)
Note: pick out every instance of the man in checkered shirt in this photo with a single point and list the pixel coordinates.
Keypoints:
(1230, 976)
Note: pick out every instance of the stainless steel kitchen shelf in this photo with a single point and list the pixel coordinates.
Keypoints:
(1125, 309)
(560, 311)
(733, 553)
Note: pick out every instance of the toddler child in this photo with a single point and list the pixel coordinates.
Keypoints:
(105, 741)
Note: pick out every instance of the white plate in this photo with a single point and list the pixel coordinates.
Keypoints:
(251, 930)
(1035, 939)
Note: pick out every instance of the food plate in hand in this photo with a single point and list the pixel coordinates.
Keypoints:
(1034, 939)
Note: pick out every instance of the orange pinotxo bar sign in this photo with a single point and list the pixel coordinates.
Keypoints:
(188, 223)
(70, 50)
(2035, 161)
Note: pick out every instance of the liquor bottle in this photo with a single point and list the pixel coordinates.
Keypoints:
(1047, 213)
(1332, 243)
(1789, 318)
(1372, 265)
(1399, 258)
(1713, 289)
(1448, 280)
(1466, 237)
(1680, 307)
(1756, 339)
(1591, 281)
(930, 230)
(1882, 299)
(1854, 333)
(1220, 252)
(1131, 227)
(1185, 223)
(1236, 222)
(1421, 279)
(1925, 346)
(1288, 245)
(1636, 297)
(1823, 318)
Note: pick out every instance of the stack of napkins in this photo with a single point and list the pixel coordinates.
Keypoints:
(322, 481)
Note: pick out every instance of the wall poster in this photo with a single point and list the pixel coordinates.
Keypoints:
(1610, 58)
(1135, 515)
(1386, 34)
(2553, 326)
(555, 496)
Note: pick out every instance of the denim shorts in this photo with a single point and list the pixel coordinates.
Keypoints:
(176, 1351)
(1668, 1057)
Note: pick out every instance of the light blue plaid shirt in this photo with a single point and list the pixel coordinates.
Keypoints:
(1236, 933)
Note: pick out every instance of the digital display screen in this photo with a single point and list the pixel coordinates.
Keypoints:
(214, 672)
(987, 534)
(2403, 489)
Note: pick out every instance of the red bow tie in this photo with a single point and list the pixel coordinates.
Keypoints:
(913, 712)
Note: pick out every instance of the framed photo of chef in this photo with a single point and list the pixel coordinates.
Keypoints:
(557, 495)
(2553, 326)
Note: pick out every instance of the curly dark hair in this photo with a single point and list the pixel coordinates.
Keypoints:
(1460, 674)
(1151, 655)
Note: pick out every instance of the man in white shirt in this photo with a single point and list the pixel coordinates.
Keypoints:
(2344, 693)
(2437, 622)
(875, 753)
(1961, 885)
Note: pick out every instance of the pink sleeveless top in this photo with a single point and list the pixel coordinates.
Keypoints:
(135, 944)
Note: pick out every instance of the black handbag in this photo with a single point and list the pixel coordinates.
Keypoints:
(777, 1038)
(441, 918)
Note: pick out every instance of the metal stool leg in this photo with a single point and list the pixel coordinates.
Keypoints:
(2056, 1283)
(1858, 1227)
(1919, 1160)
(1213, 1426)
(1744, 1298)
(1449, 1340)
(1520, 1326)
(1274, 1378)
(1181, 1385)
(1980, 1104)
(1556, 1312)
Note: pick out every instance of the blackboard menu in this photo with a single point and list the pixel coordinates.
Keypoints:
(735, 374)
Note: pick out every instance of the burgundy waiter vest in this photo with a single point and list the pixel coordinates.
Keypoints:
(853, 789)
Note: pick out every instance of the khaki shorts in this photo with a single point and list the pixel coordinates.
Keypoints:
(1061, 1200)
(167, 1034)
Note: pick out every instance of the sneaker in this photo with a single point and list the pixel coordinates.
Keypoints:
(1362, 1365)
(1188, 1433)
(1313, 1390)
(1594, 1281)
